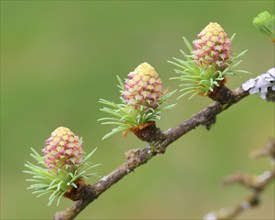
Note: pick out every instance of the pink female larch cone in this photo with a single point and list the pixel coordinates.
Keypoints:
(212, 47)
(63, 150)
(143, 87)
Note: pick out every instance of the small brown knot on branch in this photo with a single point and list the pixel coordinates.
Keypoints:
(221, 94)
(132, 154)
(135, 157)
(209, 122)
(150, 133)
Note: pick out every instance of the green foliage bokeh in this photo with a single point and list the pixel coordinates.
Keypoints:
(59, 57)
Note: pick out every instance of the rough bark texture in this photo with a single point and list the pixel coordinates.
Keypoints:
(221, 94)
(152, 135)
(137, 157)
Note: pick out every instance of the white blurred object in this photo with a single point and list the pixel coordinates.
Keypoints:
(210, 216)
(264, 84)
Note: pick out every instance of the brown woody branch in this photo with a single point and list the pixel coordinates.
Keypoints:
(86, 194)
(256, 183)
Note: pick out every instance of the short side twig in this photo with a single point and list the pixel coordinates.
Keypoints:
(256, 183)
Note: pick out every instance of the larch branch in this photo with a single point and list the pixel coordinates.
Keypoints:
(136, 157)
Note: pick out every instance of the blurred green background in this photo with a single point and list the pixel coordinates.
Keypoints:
(59, 57)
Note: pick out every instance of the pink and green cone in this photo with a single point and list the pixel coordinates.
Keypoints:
(63, 150)
(63, 167)
(212, 47)
(204, 71)
(142, 95)
(143, 87)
